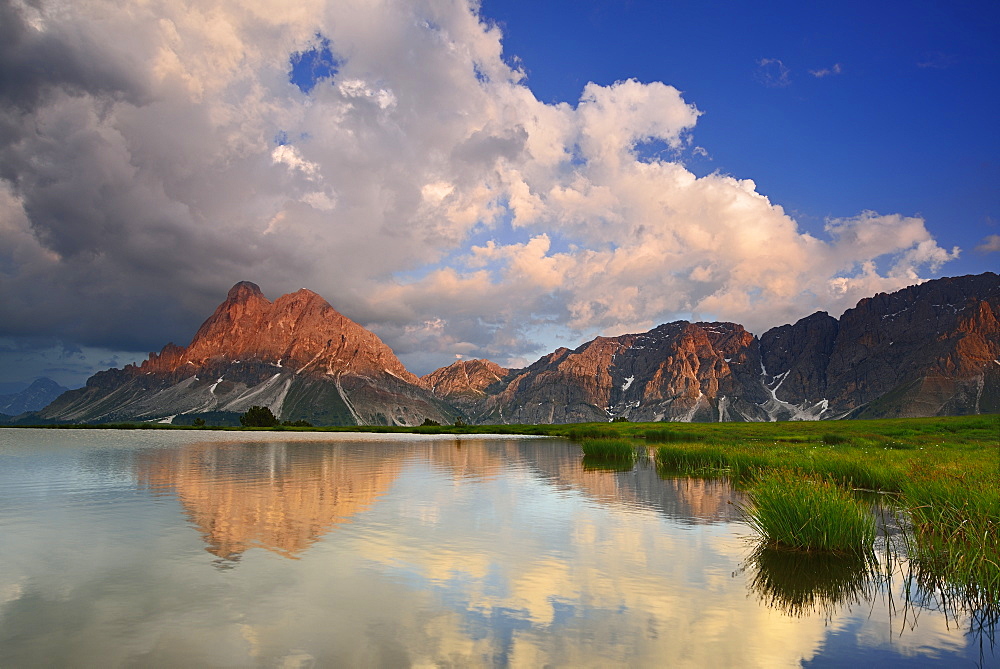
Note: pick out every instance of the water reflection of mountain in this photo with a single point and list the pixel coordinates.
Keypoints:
(686, 500)
(284, 496)
(278, 496)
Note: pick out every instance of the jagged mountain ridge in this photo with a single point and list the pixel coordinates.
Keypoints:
(930, 349)
(298, 356)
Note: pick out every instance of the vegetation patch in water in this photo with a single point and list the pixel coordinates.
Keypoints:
(792, 510)
(609, 450)
(955, 538)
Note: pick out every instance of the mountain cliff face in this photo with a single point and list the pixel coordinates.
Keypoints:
(678, 371)
(465, 384)
(926, 350)
(298, 356)
(931, 349)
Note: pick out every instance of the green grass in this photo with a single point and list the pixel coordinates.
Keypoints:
(791, 510)
(671, 436)
(955, 538)
(609, 450)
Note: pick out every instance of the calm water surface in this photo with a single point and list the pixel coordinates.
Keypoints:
(168, 549)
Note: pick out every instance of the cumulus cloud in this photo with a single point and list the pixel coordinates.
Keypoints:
(150, 159)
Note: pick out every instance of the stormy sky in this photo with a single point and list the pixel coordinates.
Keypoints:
(477, 180)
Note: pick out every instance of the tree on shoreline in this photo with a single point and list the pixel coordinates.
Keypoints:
(258, 417)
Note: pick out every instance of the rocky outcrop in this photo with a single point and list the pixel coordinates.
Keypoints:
(466, 383)
(298, 356)
(926, 350)
(678, 371)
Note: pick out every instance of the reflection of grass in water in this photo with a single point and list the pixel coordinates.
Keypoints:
(609, 450)
(798, 583)
(794, 511)
(597, 465)
(954, 545)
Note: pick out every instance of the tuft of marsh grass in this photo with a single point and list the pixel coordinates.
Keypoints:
(609, 450)
(789, 509)
(589, 432)
(713, 461)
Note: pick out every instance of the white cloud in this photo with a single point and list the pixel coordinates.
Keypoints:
(423, 183)
(990, 244)
(773, 72)
(827, 71)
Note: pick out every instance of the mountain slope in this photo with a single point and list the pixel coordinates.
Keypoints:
(36, 396)
(298, 356)
(930, 349)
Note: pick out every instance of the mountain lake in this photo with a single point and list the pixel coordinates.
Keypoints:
(153, 548)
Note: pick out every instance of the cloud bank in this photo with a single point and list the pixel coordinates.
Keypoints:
(152, 157)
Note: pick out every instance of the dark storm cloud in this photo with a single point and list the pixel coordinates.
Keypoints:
(98, 248)
(34, 62)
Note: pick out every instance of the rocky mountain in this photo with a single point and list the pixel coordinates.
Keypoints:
(926, 350)
(466, 384)
(930, 349)
(36, 396)
(296, 355)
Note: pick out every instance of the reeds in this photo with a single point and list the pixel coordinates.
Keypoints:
(712, 461)
(955, 538)
(793, 510)
(620, 451)
(672, 436)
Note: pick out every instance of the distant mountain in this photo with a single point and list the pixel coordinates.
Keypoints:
(465, 384)
(927, 350)
(36, 396)
(298, 356)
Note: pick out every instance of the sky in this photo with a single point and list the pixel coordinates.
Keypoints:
(486, 180)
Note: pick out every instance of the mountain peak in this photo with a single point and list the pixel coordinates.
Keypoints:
(244, 291)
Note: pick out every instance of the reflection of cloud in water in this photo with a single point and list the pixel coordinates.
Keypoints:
(617, 585)
(479, 554)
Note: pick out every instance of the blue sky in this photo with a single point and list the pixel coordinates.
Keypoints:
(906, 124)
(486, 180)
